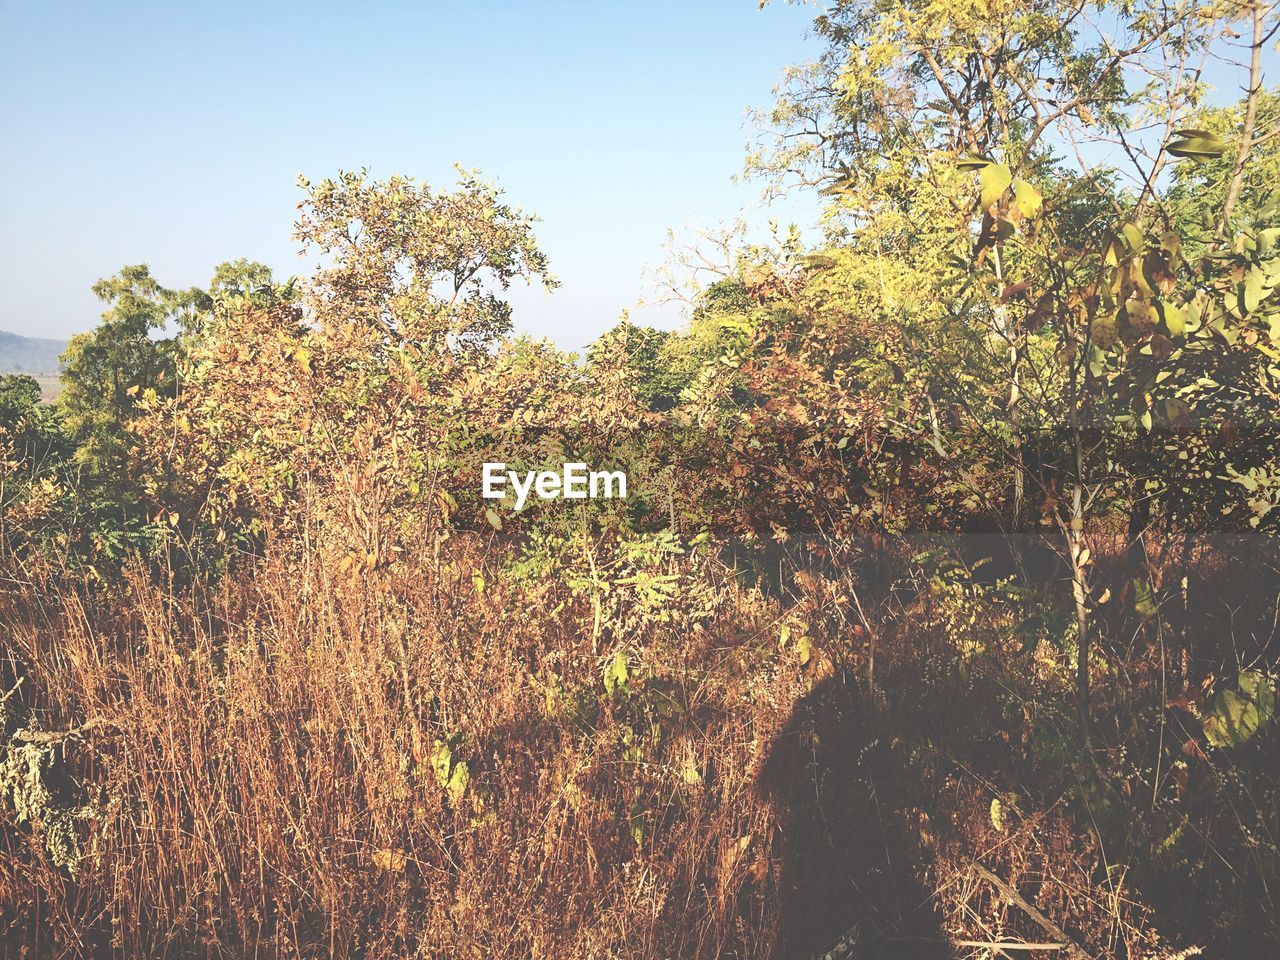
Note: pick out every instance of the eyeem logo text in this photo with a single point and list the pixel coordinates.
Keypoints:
(573, 482)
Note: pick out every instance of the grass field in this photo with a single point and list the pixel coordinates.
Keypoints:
(50, 387)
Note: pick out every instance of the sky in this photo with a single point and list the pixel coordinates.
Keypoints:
(173, 134)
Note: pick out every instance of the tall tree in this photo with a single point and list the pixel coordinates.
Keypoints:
(130, 350)
(1043, 327)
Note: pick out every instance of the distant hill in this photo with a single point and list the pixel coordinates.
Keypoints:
(34, 355)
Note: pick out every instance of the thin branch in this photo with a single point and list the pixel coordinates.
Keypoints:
(1250, 117)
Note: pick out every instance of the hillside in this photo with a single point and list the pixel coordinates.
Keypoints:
(35, 355)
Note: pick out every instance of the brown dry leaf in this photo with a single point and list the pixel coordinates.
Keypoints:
(1192, 749)
(393, 861)
(731, 852)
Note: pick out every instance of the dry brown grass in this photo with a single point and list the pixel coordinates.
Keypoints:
(255, 771)
(260, 762)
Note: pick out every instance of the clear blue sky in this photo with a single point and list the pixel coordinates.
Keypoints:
(172, 134)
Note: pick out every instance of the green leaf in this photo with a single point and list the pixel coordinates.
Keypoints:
(441, 762)
(1144, 603)
(1233, 721)
(458, 781)
(1255, 685)
(616, 673)
(1133, 236)
(971, 161)
(1236, 715)
(995, 179)
(495, 521)
(1252, 291)
(1197, 145)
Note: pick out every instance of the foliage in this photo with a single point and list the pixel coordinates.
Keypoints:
(947, 574)
(105, 370)
(420, 263)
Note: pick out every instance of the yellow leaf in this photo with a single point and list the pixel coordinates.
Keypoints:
(495, 521)
(1133, 236)
(458, 781)
(1175, 320)
(995, 179)
(616, 674)
(441, 762)
(804, 650)
(1028, 198)
(997, 814)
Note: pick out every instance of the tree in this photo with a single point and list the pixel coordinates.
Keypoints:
(1040, 327)
(246, 284)
(115, 371)
(19, 397)
(418, 264)
(661, 362)
(104, 370)
(339, 402)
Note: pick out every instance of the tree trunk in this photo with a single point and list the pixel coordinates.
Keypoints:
(1250, 116)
